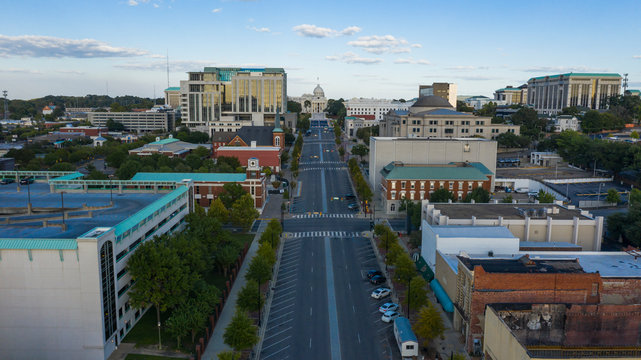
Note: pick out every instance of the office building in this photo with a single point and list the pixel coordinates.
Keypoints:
(424, 151)
(512, 95)
(63, 274)
(135, 121)
(446, 91)
(225, 99)
(550, 94)
(374, 109)
(432, 116)
(353, 123)
(418, 182)
(172, 97)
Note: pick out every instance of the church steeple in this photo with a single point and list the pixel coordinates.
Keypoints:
(277, 127)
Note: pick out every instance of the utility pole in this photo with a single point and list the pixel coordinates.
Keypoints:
(625, 83)
(6, 104)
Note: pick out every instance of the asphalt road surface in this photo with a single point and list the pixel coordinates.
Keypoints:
(322, 307)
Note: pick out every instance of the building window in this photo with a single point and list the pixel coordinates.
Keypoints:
(469, 185)
(277, 140)
(451, 185)
(402, 184)
(402, 194)
(449, 131)
(392, 207)
(108, 288)
(431, 185)
(422, 185)
(393, 184)
(393, 195)
(412, 185)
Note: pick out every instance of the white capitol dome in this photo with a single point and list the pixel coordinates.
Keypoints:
(318, 91)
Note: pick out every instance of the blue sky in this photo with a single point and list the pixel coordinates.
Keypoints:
(356, 48)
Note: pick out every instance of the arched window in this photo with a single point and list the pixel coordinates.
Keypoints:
(277, 140)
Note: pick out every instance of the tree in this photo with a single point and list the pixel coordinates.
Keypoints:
(394, 250)
(479, 195)
(218, 211)
(545, 197)
(231, 193)
(259, 270)
(635, 196)
(570, 110)
(489, 109)
(177, 325)
(429, 324)
(613, 196)
(462, 106)
(592, 122)
(441, 195)
(114, 126)
(128, 169)
(416, 293)
(230, 355)
(240, 334)
(247, 299)
(160, 278)
(507, 199)
(266, 252)
(308, 105)
(634, 134)
(63, 166)
(243, 212)
(360, 150)
(293, 106)
(405, 268)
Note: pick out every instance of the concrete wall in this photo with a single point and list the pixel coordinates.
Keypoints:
(50, 307)
(445, 275)
(428, 151)
(499, 343)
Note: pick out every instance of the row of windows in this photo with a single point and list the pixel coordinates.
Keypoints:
(442, 184)
(403, 195)
(446, 122)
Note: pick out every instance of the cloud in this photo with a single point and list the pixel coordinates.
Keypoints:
(71, 72)
(562, 69)
(48, 46)
(379, 44)
(466, 68)
(636, 57)
(132, 3)
(418, 46)
(260, 30)
(217, 10)
(351, 58)
(412, 61)
(321, 32)
(20, 71)
(156, 6)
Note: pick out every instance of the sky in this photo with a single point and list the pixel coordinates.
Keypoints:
(380, 49)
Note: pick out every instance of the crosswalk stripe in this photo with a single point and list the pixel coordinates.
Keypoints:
(317, 216)
(335, 234)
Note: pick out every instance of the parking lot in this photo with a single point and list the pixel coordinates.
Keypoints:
(299, 322)
(588, 191)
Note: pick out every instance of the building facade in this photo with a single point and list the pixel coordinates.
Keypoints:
(432, 116)
(358, 107)
(169, 147)
(86, 130)
(512, 95)
(424, 151)
(550, 94)
(353, 123)
(139, 122)
(172, 97)
(446, 91)
(418, 182)
(312, 103)
(225, 99)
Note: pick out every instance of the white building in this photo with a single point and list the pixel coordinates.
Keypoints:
(353, 123)
(374, 109)
(564, 122)
(64, 289)
(312, 103)
(135, 121)
(545, 158)
(477, 102)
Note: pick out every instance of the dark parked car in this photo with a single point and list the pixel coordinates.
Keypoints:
(353, 206)
(372, 273)
(350, 197)
(27, 180)
(6, 181)
(378, 279)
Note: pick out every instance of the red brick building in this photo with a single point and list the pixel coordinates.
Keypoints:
(267, 155)
(262, 142)
(418, 182)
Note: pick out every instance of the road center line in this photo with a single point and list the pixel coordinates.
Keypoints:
(334, 338)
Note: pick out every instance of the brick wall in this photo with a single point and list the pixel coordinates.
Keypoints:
(603, 325)
(621, 291)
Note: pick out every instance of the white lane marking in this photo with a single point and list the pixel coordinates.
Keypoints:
(280, 341)
(272, 319)
(310, 343)
(276, 352)
(310, 311)
(353, 309)
(349, 286)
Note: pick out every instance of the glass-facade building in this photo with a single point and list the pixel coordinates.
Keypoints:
(225, 99)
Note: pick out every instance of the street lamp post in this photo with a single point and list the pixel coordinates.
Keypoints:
(111, 191)
(598, 196)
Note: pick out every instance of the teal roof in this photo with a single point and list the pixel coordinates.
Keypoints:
(443, 172)
(508, 89)
(148, 210)
(177, 177)
(38, 244)
(73, 176)
(634, 91)
(479, 166)
(404, 328)
(173, 88)
(164, 141)
(576, 74)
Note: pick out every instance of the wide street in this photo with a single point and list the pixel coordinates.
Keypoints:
(321, 307)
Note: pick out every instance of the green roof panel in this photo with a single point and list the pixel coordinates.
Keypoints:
(577, 74)
(178, 177)
(410, 172)
(149, 210)
(38, 244)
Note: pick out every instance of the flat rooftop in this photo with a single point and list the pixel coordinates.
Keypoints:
(507, 211)
(391, 138)
(125, 205)
(524, 265)
(457, 231)
(609, 264)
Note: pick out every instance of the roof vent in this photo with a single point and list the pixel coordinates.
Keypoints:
(157, 138)
(171, 136)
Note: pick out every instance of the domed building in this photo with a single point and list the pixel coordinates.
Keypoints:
(312, 103)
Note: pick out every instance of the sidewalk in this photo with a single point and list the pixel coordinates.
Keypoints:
(125, 349)
(216, 344)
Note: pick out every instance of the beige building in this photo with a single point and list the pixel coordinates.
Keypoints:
(135, 121)
(374, 109)
(512, 95)
(424, 151)
(226, 99)
(353, 123)
(536, 224)
(172, 97)
(550, 94)
(433, 116)
(446, 91)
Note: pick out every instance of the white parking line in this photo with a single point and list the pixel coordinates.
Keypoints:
(272, 319)
(276, 352)
(282, 301)
(280, 341)
(277, 310)
(286, 277)
(287, 293)
(287, 288)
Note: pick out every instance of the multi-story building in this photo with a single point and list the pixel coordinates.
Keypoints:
(633, 92)
(424, 151)
(136, 121)
(225, 99)
(418, 182)
(90, 131)
(312, 103)
(353, 123)
(446, 91)
(550, 94)
(360, 107)
(561, 123)
(169, 147)
(477, 102)
(64, 285)
(433, 116)
(172, 97)
(512, 95)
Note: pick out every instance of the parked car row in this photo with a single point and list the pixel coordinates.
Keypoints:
(23, 181)
(389, 309)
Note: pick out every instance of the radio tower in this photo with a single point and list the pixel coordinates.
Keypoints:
(6, 104)
(625, 83)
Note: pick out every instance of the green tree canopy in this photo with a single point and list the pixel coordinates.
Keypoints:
(360, 150)
(231, 193)
(240, 334)
(613, 196)
(417, 294)
(479, 195)
(441, 195)
(218, 211)
(429, 324)
(545, 197)
(249, 297)
(259, 270)
(293, 106)
(243, 213)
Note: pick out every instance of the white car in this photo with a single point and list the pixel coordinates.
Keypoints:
(522, 190)
(389, 316)
(381, 293)
(388, 307)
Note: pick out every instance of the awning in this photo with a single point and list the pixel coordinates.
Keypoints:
(441, 295)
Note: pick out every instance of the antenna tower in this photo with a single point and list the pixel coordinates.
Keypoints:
(6, 104)
(167, 57)
(625, 83)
